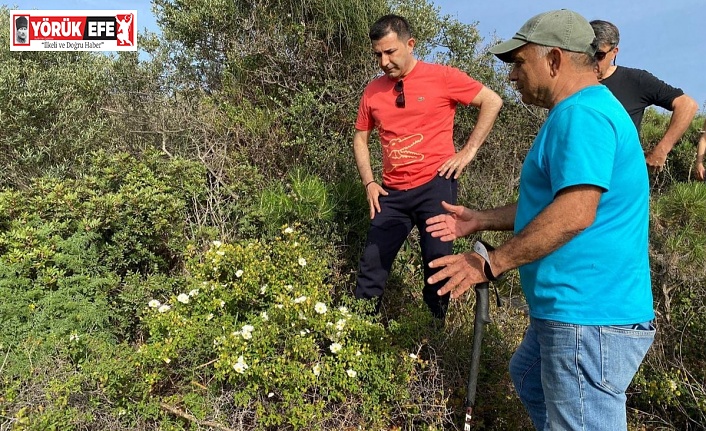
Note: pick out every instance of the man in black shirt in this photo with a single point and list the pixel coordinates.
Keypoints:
(637, 89)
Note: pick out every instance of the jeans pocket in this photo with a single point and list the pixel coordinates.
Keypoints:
(622, 352)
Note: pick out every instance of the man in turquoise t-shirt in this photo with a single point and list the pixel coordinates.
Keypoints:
(592, 279)
(580, 235)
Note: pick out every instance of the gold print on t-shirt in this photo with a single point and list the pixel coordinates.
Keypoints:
(399, 150)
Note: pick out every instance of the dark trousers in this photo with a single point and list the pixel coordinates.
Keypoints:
(401, 210)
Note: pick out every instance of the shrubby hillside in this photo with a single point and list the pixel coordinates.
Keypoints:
(180, 229)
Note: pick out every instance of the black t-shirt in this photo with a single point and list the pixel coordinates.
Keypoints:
(637, 89)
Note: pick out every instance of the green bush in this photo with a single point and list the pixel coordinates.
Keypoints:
(259, 316)
(671, 381)
(50, 113)
(74, 256)
(304, 198)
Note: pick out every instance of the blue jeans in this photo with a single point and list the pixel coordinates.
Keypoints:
(573, 377)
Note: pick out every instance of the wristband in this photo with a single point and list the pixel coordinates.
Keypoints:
(368, 183)
(482, 249)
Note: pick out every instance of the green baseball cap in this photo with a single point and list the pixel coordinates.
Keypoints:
(563, 29)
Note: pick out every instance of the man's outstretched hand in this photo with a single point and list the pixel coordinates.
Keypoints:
(458, 222)
(463, 271)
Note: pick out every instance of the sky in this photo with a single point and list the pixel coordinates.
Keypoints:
(664, 37)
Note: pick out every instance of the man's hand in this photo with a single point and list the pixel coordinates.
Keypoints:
(460, 221)
(373, 191)
(462, 270)
(457, 163)
(656, 159)
(699, 172)
(683, 110)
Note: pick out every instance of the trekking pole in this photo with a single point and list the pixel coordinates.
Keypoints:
(482, 317)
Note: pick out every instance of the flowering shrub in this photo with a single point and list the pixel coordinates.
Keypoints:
(259, 316)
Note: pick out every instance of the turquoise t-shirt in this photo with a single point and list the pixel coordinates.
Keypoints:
(602, 275)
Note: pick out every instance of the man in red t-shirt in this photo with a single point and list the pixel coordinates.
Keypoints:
(412, 107)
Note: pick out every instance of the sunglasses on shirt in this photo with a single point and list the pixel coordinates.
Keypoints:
(399, 87)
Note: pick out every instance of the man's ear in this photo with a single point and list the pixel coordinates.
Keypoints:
(554, 58)
(410, 43)
(616, 54)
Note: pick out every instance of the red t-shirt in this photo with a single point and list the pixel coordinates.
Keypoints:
(418, 138)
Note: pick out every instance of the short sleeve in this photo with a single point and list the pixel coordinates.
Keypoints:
(461, 87)
(364, 121)
(658, 92)
(582, 151)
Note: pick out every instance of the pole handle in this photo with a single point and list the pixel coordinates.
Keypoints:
(482, 318)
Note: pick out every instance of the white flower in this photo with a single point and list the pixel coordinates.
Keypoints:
(247, 332)
(279, 306)
(358, 353)
(289, 287)
(264, 316)
(221, 253)
(413, 356)
(164, 308)
(183, 298)
(167, 360)
(300, 300)
(194, 292)
(351, 373)
(270, 395)
(320, 308)
(340, 324)
(302, 333)
(210, 316)
(335, 348)
(302, 261)
(343, 310)
(240, 366)
(239, 273)
(154, 303)
(316, 369)
(217, 243)
(263, 289)
(289, 230)
(222, 303)
(74, 337)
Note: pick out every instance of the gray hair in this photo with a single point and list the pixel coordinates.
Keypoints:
(606, 33)
(580, 59)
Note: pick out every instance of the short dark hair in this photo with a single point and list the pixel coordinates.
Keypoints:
(606, 33)
(389, 23)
